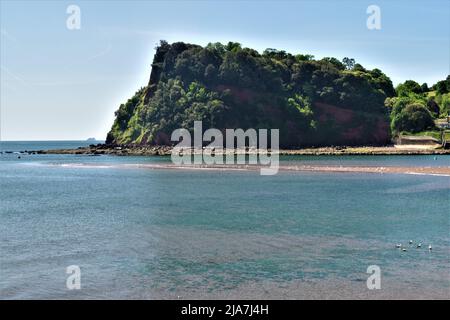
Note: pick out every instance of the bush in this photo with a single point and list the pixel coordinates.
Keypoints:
(413, 118)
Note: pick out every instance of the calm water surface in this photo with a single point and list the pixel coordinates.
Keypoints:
(142, 233)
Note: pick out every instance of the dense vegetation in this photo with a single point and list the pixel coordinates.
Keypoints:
(415, 106)
(312, 102)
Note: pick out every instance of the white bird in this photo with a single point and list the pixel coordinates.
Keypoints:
(410, 241)
(419, 245)
(404, 249)
(398, 245)
(430, 248)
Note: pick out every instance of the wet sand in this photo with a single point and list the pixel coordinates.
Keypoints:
(437, 171)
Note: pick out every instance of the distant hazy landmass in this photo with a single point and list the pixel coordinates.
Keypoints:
(313, 102)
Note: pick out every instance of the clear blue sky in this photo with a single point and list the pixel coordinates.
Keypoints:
(58, 84)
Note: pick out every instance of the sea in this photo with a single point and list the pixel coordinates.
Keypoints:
(93, 227)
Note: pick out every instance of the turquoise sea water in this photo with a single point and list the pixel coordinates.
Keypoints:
(143, 233)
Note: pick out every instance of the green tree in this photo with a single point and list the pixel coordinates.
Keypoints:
(409, 86)
(413, 118)
(304, 57)
(335, 62)
(424, 87)
(233, 46)
(442, 87)
(349, 63)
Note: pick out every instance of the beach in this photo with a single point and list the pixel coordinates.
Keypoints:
(426, 170)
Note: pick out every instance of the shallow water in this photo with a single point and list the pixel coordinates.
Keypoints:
(139, 233)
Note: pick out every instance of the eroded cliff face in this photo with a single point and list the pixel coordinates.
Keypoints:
(312, 103)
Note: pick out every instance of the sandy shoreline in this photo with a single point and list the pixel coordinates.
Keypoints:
(436, 171)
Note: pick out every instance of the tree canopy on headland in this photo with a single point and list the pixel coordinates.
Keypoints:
(312, 102)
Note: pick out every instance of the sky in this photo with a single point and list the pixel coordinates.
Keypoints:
(58, 83)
